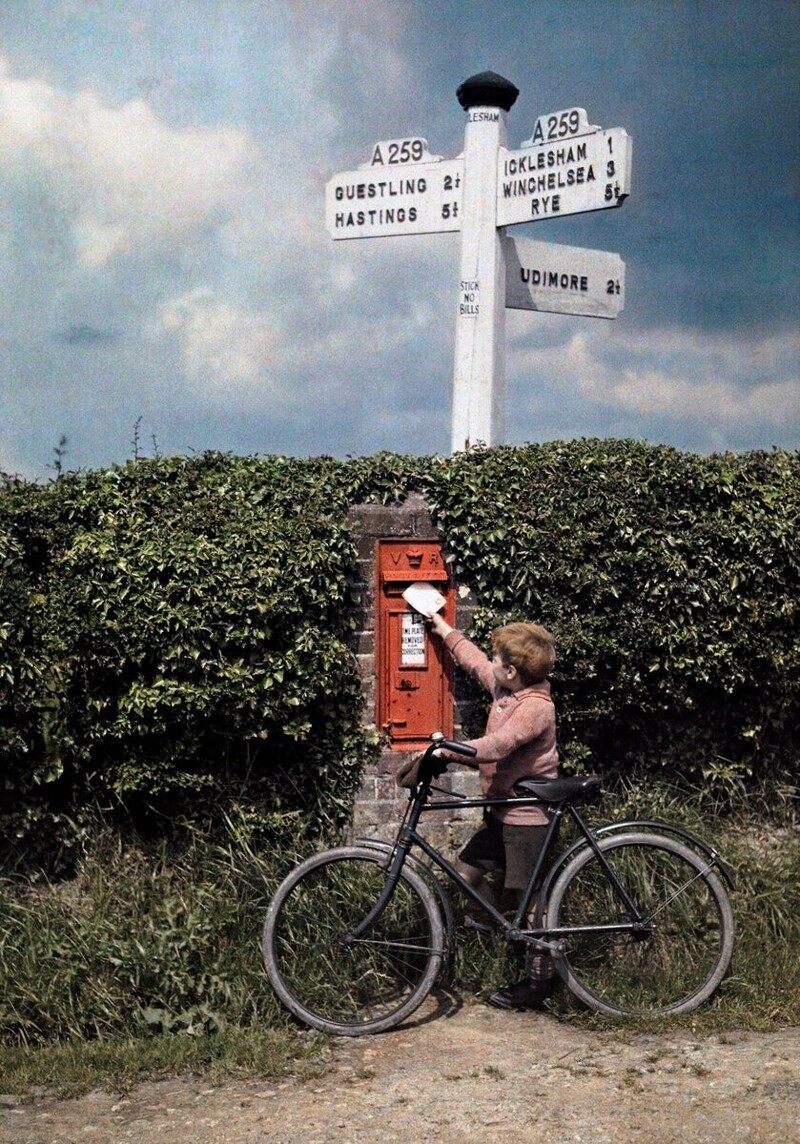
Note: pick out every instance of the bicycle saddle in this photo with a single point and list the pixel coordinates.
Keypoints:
(581, 789)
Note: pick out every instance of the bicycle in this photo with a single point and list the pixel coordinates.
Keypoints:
(635, 914)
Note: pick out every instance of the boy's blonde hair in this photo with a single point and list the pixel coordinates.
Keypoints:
(528, 647)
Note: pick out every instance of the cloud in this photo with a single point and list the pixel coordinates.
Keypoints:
(360, 52)
(130, 184)
(86, 335)
(675, 374)
(220, 345)
(183, 218)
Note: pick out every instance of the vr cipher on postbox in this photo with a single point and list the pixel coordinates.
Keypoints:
(414, 682)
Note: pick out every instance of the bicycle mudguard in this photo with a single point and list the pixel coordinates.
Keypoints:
(631, 826)
(685, 835)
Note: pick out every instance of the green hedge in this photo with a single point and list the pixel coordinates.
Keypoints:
(175, 632)
(183, 639)
(672, 582)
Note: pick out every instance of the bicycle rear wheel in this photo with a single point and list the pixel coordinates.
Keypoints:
(673, 960)
(352, 988)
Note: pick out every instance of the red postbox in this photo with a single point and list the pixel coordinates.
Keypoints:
(414, 676)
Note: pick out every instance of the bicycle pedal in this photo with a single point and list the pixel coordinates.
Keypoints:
(471, 923)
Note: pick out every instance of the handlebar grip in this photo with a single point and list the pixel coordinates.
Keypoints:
(457, 748)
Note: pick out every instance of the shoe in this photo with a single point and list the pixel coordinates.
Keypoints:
(526, 994)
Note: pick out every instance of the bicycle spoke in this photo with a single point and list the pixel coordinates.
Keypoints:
(397, 945)
(680, 890)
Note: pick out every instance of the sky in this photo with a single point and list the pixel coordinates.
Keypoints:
(168, 285)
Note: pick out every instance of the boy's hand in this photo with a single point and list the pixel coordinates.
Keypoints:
(439, 625)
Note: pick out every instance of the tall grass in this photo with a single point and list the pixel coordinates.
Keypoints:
(142, 941)
(151, 945)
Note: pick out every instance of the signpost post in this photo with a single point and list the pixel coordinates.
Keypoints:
(479, 375)
(568, 166)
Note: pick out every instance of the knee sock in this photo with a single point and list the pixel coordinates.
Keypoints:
(539, 966)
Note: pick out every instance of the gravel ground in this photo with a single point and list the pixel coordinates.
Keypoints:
(470, 1074)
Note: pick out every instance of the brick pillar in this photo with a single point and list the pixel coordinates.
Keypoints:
(380, 803)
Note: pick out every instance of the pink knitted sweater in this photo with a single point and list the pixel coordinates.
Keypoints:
(520, 737)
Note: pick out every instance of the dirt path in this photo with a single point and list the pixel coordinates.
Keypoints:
(475, 1074)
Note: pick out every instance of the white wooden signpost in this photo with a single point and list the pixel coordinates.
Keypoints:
(563, 279)
(568, 166)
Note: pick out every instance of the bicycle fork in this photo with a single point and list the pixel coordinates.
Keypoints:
(399, 854)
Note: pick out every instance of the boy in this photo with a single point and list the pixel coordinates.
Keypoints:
(519, 742)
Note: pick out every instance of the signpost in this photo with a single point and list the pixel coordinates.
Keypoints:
(421, 196)
(568, 166)
(563, 279)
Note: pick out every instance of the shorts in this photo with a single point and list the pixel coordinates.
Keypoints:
(512, 849)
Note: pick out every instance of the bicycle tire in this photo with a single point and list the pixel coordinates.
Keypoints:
(365, 987)
(681, 953)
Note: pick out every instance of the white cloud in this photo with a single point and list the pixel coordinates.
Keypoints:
(220, 346)
(127, 185)
(129, 182)
(361, 43)
(678, 374)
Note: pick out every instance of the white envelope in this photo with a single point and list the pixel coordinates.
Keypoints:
(424, 598)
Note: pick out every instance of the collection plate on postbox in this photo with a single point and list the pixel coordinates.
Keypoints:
(414, 677)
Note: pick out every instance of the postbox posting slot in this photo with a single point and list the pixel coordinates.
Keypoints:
(433, 575)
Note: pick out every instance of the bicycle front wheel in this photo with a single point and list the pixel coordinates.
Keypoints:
(352, 987)
(673, 958)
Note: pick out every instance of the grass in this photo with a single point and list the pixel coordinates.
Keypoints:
(148, 963)
(137, 943)
(74, 1067)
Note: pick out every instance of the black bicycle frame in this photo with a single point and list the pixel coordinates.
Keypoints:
(408, 836)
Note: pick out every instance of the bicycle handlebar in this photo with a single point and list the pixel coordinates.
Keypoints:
(438, 740)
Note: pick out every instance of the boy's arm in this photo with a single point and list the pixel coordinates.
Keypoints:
(529, 721)
(464, 652)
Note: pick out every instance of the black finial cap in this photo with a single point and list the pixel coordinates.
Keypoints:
(487, 90)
